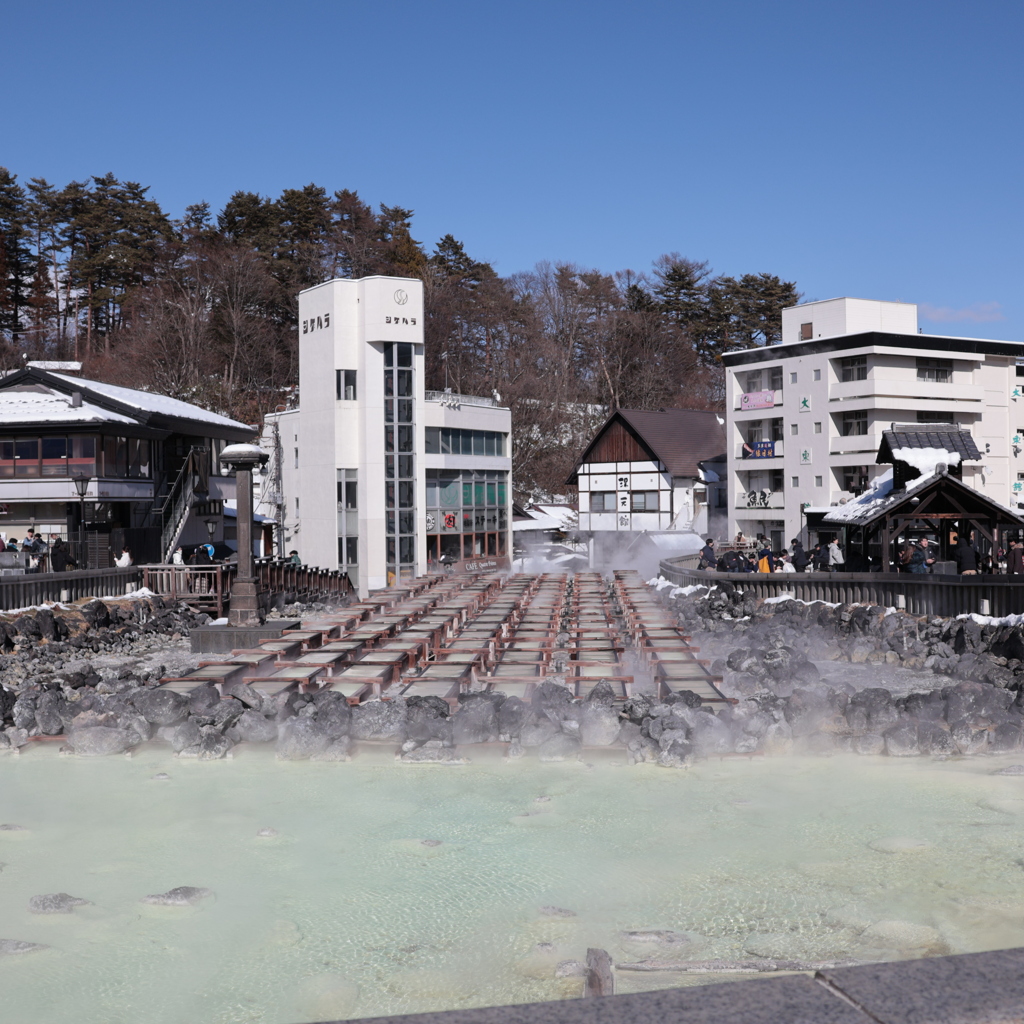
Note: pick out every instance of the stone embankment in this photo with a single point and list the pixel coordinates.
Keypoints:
(89, 674)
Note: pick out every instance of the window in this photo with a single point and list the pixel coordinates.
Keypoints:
(855, 479)
(775, 378)
(453, 441)
(348, 491)
(345, 385)
(776, 481)
(794, 429)
(602, 501)
(795, 481)
(817, 481)
(792, 378)
(855, 423)
(817, 428)
(754, 431)
(753, 381)
(643, 501)
(854, 368)
(935, 417)
(296, 458)
(937, 371)
(777, 429)
(817, 374)
(806, 332)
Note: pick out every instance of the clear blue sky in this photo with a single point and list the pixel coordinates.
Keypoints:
(860, 148)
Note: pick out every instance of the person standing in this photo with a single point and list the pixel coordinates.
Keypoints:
(765, 558)
(920, 560)
(800, 558)
(836, 561)
(1015, 558)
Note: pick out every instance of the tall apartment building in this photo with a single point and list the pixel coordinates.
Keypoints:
(378, 476)
(804, 418)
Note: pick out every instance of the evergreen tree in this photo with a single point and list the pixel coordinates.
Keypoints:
(17, 265)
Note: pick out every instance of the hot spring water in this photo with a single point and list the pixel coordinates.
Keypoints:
(391, 889)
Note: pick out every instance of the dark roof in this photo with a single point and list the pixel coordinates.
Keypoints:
(971, 346)
(875, 509)
(679, 438)
(959, 441)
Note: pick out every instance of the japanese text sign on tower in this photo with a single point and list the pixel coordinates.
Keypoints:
(757, 400)
(761, 449)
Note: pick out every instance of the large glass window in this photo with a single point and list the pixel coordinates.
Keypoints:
(853, 368)
(399, 440)
(855, 423)
(55, 456)
(471, 503)
(454, 441)
(937, 371)
(644, 501)
(26, 457)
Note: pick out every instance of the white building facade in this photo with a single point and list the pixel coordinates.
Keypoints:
(805, 417)
(374, 475)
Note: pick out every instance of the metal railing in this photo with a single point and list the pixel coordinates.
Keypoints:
(918, 594)
(37, 588)
(206, 587)
(306, 582)
(456, 399)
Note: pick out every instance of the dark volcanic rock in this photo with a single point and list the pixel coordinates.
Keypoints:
(511, 716)
(182, 896)
(161, 706)
(378, 720)
(475, 721)
(300, 738)
(560, 747)
(252, 727)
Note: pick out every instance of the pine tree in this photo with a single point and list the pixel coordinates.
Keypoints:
(16, 263)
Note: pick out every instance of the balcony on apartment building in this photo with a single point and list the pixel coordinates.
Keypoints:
(760, 498)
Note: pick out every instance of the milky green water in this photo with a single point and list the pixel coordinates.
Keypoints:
(348, 913)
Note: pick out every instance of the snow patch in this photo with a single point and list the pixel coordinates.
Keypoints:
(924, 460)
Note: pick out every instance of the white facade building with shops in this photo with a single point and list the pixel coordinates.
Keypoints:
(373, 474)
(805, 417)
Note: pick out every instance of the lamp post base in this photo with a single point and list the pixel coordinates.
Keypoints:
(245, 604)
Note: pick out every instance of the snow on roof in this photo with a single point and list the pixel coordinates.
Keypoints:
(540, 522)
(924, 460)
(151, 402)
(37, 403)
(866, 503)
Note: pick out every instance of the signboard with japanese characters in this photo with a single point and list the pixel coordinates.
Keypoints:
(759, 450)
(757, 400)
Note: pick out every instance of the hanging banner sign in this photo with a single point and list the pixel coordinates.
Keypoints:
(757, 400)
(759, 450)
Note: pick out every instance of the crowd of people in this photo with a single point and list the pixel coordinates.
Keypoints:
(828, 556)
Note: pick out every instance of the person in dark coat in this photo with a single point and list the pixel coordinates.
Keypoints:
(800, 557)
(60, 556)
(819, 557)
(967, 556)
(920, 560)
(708, 558)
(1015, 558)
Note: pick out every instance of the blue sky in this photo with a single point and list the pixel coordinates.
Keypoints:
(859, 148)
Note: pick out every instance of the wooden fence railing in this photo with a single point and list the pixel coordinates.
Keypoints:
(918, 594)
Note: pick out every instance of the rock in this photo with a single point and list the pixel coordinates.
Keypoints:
(213, 744)
(300, 738)
(475, 721)
(185, 736)
(424, 721)
(13, 828)
(202, 699)
(252, 727)
(182, 896)
(515, 748)
(101, 741)
(599, 724)
(244, 693)
(56, 903)
(1005, 737)
(602, 693)
(537, 729)
(935, 740)
(333, 713)
(48, 717)
(968, 738)
(96, 614)
(678, 754)
(661, 937)
(560, 747)
(549, 911)
(638, 707)
(336, 750)
(431, 842)
(1012, 769)
(571, 969)
(511, 715)
(161, 706)
(378, 720)
(552, 699)
(160, 777)
(901, 740)
(267, 833)
(868, 743)
(15, 947)
(433, 752)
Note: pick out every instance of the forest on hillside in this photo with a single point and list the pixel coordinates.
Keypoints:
(203, 308)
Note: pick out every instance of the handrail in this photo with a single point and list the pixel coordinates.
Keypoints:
(180, 496)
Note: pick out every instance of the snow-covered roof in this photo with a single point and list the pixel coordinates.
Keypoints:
(547, 517)
(866, 503)
(36, 403)
(147, 401)
(924, 460)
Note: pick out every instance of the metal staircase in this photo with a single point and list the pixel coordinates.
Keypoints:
(190, 486)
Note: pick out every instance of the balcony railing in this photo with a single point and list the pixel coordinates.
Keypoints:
(454, 400)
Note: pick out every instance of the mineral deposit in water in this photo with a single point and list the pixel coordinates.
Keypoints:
(391, 888)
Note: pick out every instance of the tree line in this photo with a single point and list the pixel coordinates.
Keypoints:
(204, 308)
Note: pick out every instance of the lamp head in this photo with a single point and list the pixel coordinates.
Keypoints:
(243, 456)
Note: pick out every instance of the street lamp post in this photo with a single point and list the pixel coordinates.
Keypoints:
(82, 487)
(243, 459)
